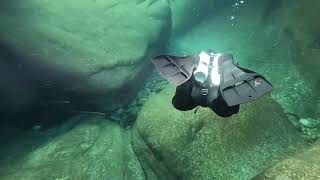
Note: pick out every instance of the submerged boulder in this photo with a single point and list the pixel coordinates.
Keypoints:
(304, 165)
(204, 146)
(86, 147)
(85, 52)
(299, 20)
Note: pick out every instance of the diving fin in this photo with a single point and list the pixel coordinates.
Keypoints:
(241, 85)
(176, 70)
(246, 91)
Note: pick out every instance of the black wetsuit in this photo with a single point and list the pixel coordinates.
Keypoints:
(184, 101)
(236, 85)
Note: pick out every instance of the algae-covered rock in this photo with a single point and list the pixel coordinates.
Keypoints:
(310, 128)
(304, 165)
(87, 147)
(204, 146)
(300, 21)
(81, 48)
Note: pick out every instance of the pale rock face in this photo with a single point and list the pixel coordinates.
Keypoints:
(205, 146)
(303, 165)
(87, 48)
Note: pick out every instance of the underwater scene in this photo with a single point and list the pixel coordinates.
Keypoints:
(159, 90)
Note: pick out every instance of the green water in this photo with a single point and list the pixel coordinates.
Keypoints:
(80, 98)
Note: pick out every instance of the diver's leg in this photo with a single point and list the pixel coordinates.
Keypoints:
(182, 99)
(222, 109)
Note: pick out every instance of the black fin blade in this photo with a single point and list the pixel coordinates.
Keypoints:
(177, 70)
(246, 91)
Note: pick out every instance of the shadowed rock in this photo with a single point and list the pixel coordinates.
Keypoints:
(86, 147)
(299, 20)
(85, 52)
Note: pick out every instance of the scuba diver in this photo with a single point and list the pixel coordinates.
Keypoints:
(210, 79)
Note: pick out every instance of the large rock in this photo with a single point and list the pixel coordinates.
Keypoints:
(87, 52)
(299, 21)
(205, 146)
(86, 147)
(304, 165)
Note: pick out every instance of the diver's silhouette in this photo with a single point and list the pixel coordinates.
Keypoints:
(210, 79)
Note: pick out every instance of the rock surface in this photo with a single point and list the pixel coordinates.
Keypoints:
(299, 20)
(86, 147)
(310, 128)
(86, 52)
(304, 165)
(204, 146)
(164, 144)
